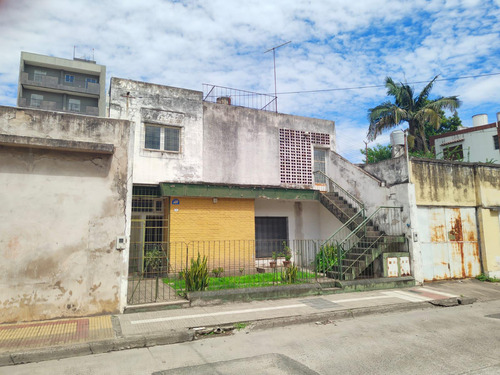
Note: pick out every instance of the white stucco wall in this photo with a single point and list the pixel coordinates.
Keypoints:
(477, 145)
(64, 193)
(161, 105)
(307, 220)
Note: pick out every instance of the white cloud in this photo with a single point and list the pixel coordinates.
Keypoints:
(335, 44)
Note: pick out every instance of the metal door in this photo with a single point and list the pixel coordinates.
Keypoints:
(448, 241)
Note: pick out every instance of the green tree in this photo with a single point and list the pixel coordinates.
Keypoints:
(377, 153)
(417, 111)
(448, 124)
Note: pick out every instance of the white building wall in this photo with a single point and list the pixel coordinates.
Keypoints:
(307, 220)
(477, 146)
(141, 103)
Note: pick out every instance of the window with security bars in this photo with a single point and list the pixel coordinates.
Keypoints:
(495, 142)
(36, 100)
(270, 233)
(162, 138)
(320, 165)
(140, 204)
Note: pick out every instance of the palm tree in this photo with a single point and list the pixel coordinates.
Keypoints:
(417, 111)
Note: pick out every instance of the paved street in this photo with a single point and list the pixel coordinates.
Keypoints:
(454, 340)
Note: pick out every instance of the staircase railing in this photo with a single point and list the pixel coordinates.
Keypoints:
(386, 222)
(333, 187)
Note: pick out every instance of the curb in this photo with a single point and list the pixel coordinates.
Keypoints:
(187, 334)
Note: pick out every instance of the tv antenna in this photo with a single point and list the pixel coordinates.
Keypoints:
(274, 61)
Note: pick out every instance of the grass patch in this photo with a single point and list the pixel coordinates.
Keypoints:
(483, 277)
(240, 326)
(244, 281)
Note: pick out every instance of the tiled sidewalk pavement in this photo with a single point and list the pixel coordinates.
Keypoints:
(55, 332)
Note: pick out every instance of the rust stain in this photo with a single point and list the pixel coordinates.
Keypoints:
(13, 248)
(437, 233)
(95, 287)
(456, 235)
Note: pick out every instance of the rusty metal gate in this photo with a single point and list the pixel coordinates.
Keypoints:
(449, 242)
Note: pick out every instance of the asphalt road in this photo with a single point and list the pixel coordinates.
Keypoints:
(454, 340)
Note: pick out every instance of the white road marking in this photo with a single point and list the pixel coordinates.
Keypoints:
(246, 311)
(407, 296)
(430, 290)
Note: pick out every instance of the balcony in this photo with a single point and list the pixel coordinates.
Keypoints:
(52, 84)
(53, 106)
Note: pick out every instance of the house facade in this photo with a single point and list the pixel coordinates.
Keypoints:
(208, 172)
(53, 83)
(478, 144)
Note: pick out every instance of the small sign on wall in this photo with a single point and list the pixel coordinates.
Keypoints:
(175, 201)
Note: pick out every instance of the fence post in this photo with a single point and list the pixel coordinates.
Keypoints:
(339, 261)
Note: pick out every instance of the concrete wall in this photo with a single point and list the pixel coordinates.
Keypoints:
(242, 145)
(64, 200)
(391, 171)
(161, 105)
(441, 183)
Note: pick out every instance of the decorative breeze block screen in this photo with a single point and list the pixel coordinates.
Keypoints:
(296, 155)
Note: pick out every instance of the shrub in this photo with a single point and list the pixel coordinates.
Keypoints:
(196, 276)
(289, 275)
(218, 271)
(326, 258)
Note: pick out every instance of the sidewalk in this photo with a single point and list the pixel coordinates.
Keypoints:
(55, 339)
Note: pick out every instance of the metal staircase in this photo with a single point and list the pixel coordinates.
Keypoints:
(362, 239)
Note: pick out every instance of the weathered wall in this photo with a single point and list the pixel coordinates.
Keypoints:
(242, 145)
(445, 184)
(391, 171)
(162, 106)
(64, 202)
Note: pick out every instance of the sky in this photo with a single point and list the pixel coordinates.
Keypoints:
(336, 46)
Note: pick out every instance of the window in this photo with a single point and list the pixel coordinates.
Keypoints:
(320, 165)
(163, 138)
(38, 75)
(270, 233)
(495, 142)
(74, 105)
(89, 80)
(453, 153)
(69, 78)
(36, 100)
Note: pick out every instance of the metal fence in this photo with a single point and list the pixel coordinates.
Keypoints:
(242, 98)
(158, 272)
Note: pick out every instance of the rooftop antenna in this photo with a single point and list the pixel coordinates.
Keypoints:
(274, 61)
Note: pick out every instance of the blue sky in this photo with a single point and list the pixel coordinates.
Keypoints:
(335, 44)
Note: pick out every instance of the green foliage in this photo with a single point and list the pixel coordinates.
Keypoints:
(240, 326)
(490, 161)
(447, 124)
(377, 153)
(484, 277)
(289, 275)
(218, 271)
(287, 251)
(423, 154)
(327, 258)
(418, 111)
(153, 259)
(196, 277)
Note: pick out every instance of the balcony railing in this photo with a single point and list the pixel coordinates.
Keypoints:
(53, 83)
(241, 98)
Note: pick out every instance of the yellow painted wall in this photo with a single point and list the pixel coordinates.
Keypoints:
(489, 224)
(222, 231)
(443, 184)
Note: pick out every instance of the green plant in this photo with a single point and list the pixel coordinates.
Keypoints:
(377, 153)
(287, 252)
(153, 259)
(242, 270)
(218, 271)
(289, 275)
(327, 258)
(240, 326)
(490, 161)
(487, 278)
(196, 277)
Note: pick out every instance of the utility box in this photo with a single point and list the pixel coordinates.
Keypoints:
(396, 264)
